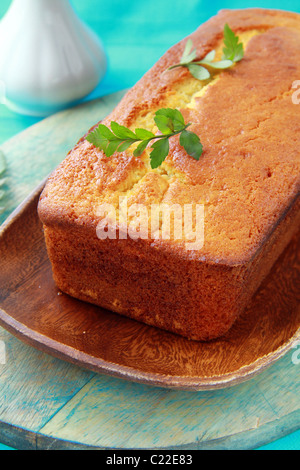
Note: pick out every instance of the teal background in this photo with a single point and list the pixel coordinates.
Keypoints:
(135, 34)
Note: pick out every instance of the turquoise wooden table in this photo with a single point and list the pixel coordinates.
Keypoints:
(48, 403)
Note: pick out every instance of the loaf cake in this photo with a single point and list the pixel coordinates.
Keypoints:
(247, 180)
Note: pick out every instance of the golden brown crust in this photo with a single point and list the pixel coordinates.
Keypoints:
(247, 178)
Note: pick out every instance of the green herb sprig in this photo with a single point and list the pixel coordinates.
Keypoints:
(169, 122)
(232, 52)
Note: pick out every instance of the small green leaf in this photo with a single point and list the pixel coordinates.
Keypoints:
(164, 124)
(104, 132)
(97, 140)
(143, 134)
(221, 64)
(233, 50)
(159, 153)
(199, 72)
(189, 53)
(191, 143)
(122, 132)
(239, 53)
(174, 115)
(112, 147)
(140, 148)
(209, 57)
(101, 137)
(125, 145)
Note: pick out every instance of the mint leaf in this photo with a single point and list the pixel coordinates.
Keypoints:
(191, 143)
(159, 153)
(233, 50)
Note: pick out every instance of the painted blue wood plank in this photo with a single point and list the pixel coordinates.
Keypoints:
(115, 414)
(121, 34)
(33, 387)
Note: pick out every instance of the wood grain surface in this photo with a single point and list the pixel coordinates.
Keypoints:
(46, 402)
(34, 309)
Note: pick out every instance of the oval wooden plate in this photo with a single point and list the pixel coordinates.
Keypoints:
(34, 310)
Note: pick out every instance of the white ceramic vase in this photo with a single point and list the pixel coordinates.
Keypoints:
(49, 59)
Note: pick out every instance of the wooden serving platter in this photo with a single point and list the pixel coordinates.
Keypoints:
(49, 402)
(34, 310)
